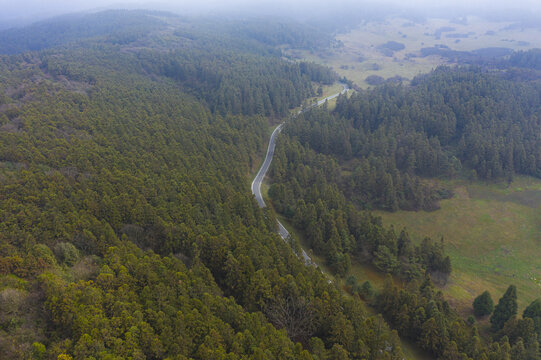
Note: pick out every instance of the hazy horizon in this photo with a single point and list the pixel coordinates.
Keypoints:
(26, 11)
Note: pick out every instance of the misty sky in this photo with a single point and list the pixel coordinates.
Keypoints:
(27, 10)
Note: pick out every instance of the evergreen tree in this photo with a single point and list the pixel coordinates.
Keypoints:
(507, 307)
(533, 311)
(483, 304)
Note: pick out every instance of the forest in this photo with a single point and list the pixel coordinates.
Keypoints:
(383, 149)
(128, 228)
(129, 231)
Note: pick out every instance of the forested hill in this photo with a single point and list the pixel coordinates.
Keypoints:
(115, 26)
(123, 27)
(128, 227)
(452, 122)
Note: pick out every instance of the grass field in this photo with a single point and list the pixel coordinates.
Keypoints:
(493, 235)
(356, 58)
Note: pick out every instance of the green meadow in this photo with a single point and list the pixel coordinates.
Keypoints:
(492, 233)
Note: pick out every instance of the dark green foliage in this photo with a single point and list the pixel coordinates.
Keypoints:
(374, 150)
(533, 311)
(505, 309)
(386, 178)
(306, 188)
(366, 291)
(421, 314)
(374, 80)
(481, 120)
(483, 304)
(128, 229)
(280, 32)
(173, 312)
(351, 281)
(247, 84)
(66, 253)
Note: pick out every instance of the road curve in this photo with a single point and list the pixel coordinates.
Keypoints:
(256, 184)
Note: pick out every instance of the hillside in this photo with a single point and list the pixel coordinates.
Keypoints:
(128, 227)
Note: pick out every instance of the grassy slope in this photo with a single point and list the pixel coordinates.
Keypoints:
(492, 233)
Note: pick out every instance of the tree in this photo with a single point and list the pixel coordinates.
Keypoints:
(506, 308)
(533, 311)
(39, 352)
(66, 253)
(483, 305)
(293, 313)
(366, 291)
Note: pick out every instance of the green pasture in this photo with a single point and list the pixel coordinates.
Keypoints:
(492, 233)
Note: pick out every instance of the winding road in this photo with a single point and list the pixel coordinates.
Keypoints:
(256, 184)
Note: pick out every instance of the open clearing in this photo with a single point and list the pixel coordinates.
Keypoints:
(361, 54)
(492, 233)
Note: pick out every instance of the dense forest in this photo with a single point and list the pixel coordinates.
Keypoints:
(451, 122)
(530, 59)
(128, 228)
(384, 148)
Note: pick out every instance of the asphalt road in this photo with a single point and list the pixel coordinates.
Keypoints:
(256, 184)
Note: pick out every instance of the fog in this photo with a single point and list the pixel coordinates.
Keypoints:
(25, 11)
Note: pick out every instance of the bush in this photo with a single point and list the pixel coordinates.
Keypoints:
(39, 351)
(42, 251)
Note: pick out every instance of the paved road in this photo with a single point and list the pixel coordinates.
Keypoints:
(256, 184)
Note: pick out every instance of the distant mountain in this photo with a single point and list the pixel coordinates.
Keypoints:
(113, 24)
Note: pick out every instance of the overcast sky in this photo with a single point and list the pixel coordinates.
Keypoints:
(19, 10)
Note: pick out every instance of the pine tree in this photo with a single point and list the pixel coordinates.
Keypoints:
(533, 311)
(483, 304)
(506, 308)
